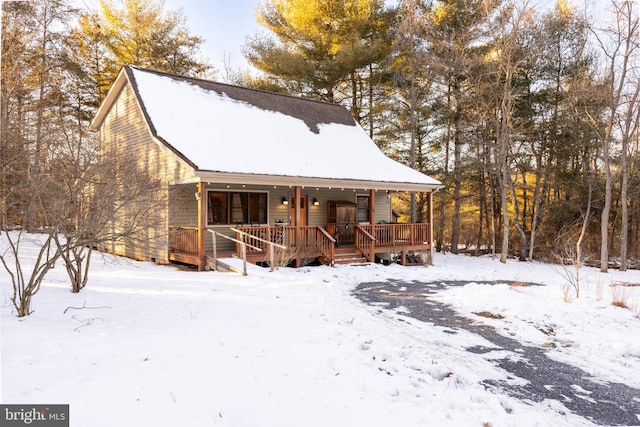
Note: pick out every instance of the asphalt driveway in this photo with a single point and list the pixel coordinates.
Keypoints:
(601, 402)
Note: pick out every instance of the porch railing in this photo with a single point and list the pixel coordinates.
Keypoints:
(251, 242)
(243, 250)
(365, 243)
(399, 235)
(311, 241)
(326, 243)
(301, 242)
(183, 240)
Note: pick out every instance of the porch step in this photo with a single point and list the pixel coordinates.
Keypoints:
(348, 256)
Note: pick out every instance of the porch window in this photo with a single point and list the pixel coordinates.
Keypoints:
(363, 208)
(237, 208)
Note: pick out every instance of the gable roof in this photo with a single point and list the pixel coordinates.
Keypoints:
(219, 129)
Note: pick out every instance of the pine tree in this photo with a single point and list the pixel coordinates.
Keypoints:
(315, 46)
(135, 32)
(456, 30)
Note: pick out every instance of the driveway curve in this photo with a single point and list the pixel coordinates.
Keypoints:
(603, 403)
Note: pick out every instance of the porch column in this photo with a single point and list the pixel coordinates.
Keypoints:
(372, 207)
(431, 248)
(202, 224)
(296, 207)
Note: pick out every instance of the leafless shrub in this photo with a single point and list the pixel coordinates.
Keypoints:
(569, 256)
(26, 279)
(113, 202)
(25, 268)
(620, 293)
(567, 294)
(599, 289)
(285, 257)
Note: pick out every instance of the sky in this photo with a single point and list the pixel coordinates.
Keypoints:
(226, 24)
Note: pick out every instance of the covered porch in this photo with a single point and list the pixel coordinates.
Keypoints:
(302, 244)
(328, 225)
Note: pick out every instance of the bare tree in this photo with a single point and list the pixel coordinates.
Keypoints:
(26, 266)
(49, 17)
(455, 33)
(570, 254)
(620, 46)
(112, 202)
(511, 51)
(26, 277)
(96, 205)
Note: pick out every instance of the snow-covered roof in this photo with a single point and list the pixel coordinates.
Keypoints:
(219, 128)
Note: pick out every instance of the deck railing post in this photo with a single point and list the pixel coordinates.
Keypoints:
(372, 251)
(215, 252)
(243, 252)
(271, 258)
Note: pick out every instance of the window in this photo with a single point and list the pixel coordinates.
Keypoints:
(363, 208)
(237, 208)
(258, 208)
(217, 208)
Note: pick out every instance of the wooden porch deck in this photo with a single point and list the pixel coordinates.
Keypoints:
(308, 243)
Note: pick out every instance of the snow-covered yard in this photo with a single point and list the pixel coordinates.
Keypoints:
(147, 345)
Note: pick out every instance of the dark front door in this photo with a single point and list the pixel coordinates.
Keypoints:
(345, 224)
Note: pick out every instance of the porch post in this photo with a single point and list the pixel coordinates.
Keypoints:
(296, 207)
(202, 224)
(372, 208)
(431, 249)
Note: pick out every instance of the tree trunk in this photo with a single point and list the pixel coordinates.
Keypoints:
(604, 218)
(413, 102)
(457, 171)
(516, 221)
(624, 229)
(505, 213)
(443, 193)
(482, 202)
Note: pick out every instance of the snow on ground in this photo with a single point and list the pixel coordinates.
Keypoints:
(157, 346)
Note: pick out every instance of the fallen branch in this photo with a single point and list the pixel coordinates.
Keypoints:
(83, 307)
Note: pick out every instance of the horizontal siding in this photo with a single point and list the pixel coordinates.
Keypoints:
(124, 133)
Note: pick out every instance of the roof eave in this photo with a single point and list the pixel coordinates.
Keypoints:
(282, 180)
(109, 100)
(124, 76)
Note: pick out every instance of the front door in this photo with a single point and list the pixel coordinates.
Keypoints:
(346, 223)
(304, 201)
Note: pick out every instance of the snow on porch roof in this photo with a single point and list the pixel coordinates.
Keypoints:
(228, 129)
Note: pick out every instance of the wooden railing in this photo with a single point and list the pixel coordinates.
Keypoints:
(300, 241)
(398, 235)
(365, 243)
(183, 240)
(310, 240)
(262, 235)
(248, 241)
(326, 243)
(243, 250)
